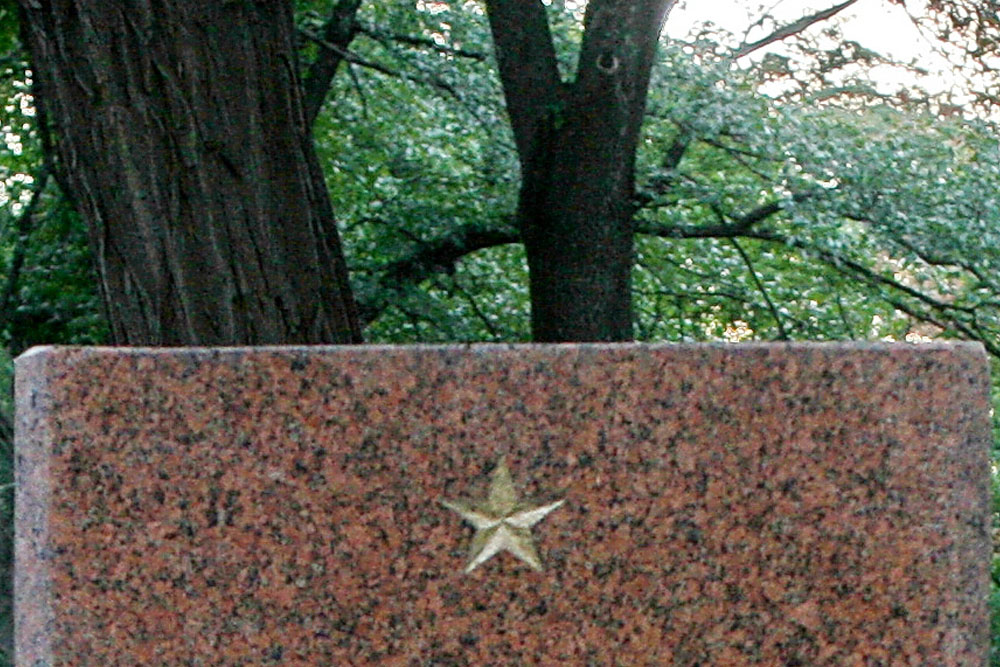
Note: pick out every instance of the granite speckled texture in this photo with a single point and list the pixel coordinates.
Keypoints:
(723, 505)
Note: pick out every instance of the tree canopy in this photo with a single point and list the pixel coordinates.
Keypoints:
(814, 215)
(825, 212)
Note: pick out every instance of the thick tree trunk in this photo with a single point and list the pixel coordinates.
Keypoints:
(577, 145)
(576, 224)
(180, 132)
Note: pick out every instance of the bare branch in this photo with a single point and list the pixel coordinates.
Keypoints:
(355, 59)
(791, 29)
(476, 310)
(738, 227)
(433, 257)
(783, 335)
(380, 35)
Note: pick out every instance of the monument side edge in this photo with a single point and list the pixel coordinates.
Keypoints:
(34, 615)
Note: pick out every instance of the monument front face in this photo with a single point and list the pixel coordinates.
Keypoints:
(585, 505)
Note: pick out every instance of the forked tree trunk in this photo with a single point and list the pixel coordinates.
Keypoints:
(577, 144)
(180, 133)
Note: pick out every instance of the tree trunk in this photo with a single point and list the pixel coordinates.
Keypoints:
(180, 133)
(577, 143)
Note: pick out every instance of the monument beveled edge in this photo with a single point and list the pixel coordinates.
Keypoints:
(489, 504)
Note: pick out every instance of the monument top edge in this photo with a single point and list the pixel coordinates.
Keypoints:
(62, 351)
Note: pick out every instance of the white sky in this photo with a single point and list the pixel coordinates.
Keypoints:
(875, 24)
(879, 25)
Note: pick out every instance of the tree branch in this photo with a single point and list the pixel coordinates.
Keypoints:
(738, 227)
(355, 59)
(428, 259)
(840, 262)
(843, 318)
(616, 59)
(433, 81)
(381, 36)
(734, 151)
(925, 255)
(476, 310)
(360, 90)
(952, 323)
(661, 183)
(730, 293)
(793, 28)
(949, 313)
(6, 435)
(678, 147)
(529, 70)
(783, 335)
(339, 30)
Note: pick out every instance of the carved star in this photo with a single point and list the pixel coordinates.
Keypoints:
(502, 522)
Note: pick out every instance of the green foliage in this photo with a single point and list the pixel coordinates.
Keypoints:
(483, 300)
(886, 225)
(57, 300)
(47, 288)
(427, 152)
(9, 28)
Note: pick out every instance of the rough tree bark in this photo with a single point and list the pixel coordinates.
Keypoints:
(180, 132)
(577, 143)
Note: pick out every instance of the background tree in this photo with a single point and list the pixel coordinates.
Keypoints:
(576, 141)
(180, 134)
(793, 178)
(437, 55)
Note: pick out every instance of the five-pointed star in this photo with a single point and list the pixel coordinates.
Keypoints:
(501, 521)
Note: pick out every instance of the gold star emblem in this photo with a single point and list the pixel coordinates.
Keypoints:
(501, 521)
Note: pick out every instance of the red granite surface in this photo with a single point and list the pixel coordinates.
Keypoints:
(724, 505)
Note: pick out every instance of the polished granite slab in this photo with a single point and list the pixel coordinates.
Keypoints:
(789, 504)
